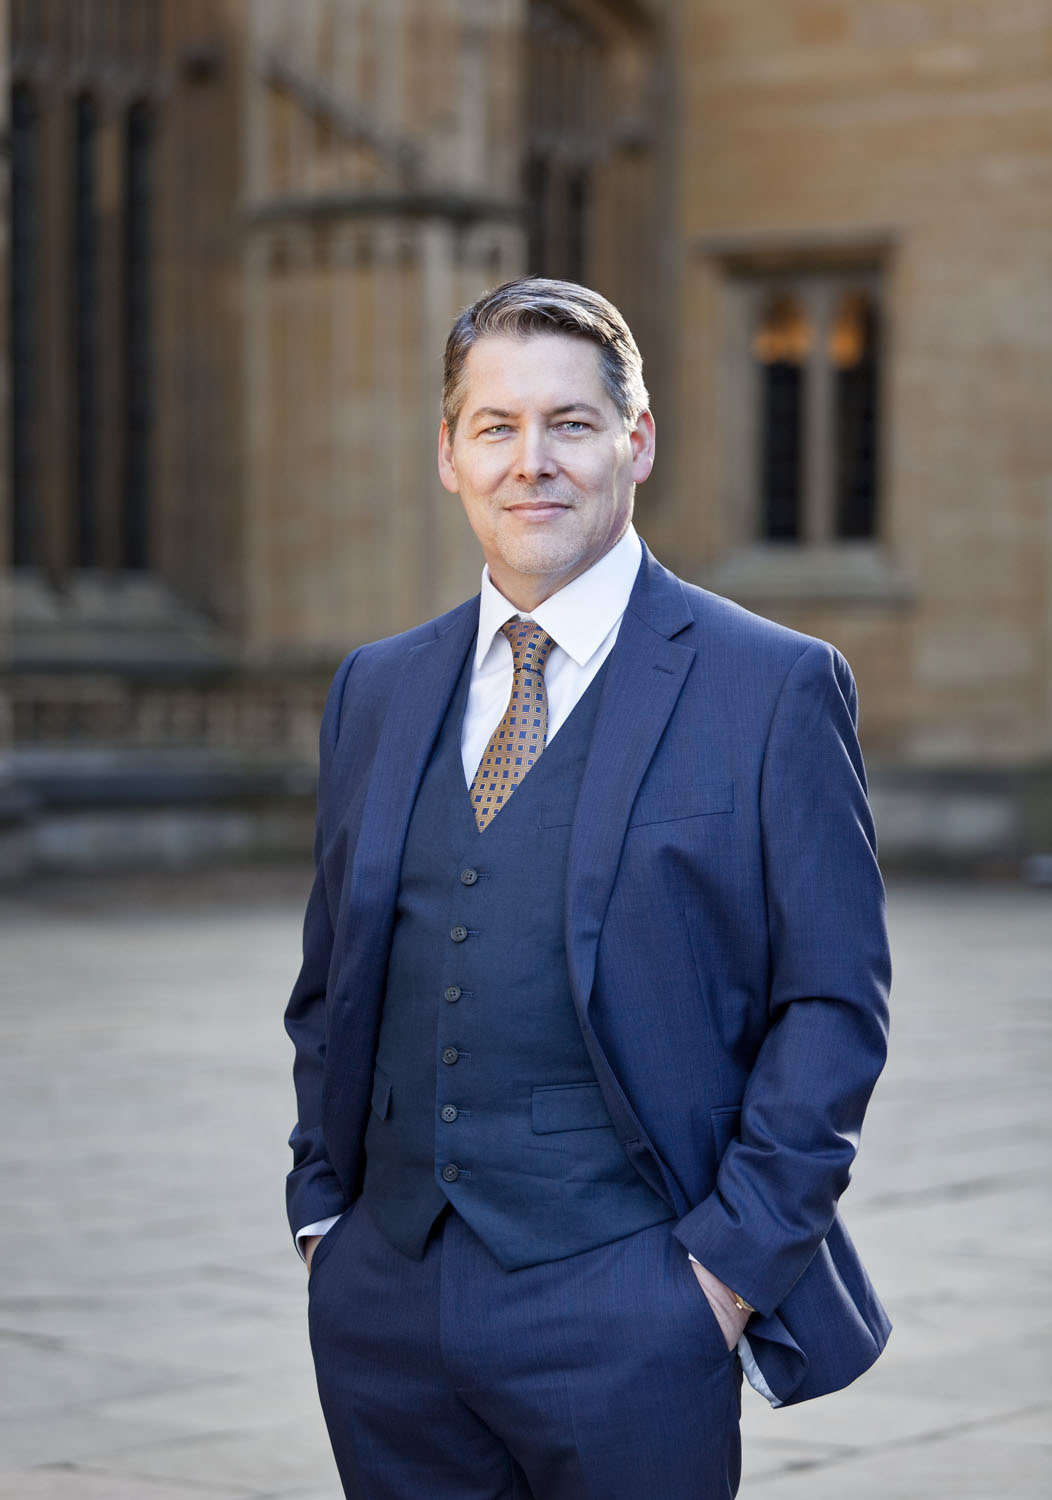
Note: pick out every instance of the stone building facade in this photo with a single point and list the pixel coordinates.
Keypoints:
(236, 232)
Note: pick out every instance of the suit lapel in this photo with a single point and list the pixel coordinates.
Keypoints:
(427, 681)
(645, 676)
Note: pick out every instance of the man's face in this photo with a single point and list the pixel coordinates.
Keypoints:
(543, 461)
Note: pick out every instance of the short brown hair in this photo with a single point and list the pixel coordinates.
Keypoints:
(535, 304)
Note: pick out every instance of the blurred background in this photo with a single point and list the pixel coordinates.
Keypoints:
(235, 236)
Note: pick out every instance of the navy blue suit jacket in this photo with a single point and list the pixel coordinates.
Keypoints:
(724, 930)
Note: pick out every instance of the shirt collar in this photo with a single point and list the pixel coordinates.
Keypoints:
(578, 617)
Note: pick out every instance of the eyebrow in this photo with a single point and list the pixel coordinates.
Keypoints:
(556, 411)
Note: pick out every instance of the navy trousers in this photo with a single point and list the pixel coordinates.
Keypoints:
(602, 1376)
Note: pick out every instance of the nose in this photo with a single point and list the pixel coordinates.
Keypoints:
(534, 458)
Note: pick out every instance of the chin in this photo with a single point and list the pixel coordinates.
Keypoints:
(540, 562)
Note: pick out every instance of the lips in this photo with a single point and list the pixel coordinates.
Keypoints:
(537, 510)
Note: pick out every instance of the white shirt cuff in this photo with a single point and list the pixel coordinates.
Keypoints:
(321, 1227)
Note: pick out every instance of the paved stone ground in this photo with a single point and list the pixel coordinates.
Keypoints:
(152, 1342)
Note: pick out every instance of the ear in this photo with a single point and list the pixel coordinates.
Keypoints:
(642, 438)
(446, 470)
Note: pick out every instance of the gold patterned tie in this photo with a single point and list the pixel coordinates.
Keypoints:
(516, 743)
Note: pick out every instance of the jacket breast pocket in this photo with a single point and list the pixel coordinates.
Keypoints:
(572, 1106)
(558, 811)
(676, 799)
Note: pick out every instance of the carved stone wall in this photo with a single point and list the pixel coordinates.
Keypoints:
(328, 182)
(918, 132)
(381, 195)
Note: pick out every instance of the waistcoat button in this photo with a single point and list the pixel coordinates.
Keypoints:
(453, 993)
(449, 1054)
(450, 1172)
(458, 934)
(449, 1113)
(468, 877)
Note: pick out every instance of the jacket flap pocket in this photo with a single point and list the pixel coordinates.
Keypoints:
(657, 804)
(381, 1100)
(572, 1106)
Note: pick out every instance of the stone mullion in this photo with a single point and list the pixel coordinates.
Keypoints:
(407, 358)
(389, 104)
(301, 123)
(295, 528)
(256, 112)
(744, 406)
(472, 122)
(54, 322)
(507, 96)
(441, 527)
(390, 408)
(342, 488)
(277, 517)
(319, 412)
(343, 73)
(258, 397)
(818, 478)
(363, 482)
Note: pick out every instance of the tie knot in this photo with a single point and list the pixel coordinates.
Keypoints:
(530, 646)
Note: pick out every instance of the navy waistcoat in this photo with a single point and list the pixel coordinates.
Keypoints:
(484, 1096)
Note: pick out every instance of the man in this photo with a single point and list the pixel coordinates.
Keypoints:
(594, 982)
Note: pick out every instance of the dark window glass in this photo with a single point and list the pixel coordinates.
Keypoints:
(564, 134)
(137, 289)
(85, 311)
(576, 226)
(854, 354)
(536, 189)
(25, 251)
(556, 218)
(781, 345)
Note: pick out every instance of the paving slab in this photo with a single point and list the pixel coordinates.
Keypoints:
(152, 1312)
(71, 1482)
(953, 1215)
(273, 1460)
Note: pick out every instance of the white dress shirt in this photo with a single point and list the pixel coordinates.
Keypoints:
(582, 618)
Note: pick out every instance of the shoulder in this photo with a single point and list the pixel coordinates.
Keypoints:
(721, 631)
(785, 671)
(388, 653)
(371, 671)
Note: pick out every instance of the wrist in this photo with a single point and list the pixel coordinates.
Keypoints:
(730, 1311)
(719, 1290)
